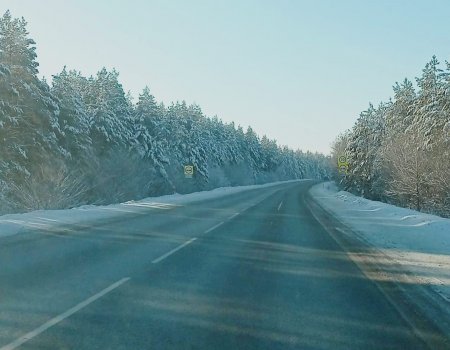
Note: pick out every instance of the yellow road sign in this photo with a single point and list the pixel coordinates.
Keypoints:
(342, 164)
(188, 170)
(342, 160)
(343, 169)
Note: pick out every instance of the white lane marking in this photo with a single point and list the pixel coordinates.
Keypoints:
(162, 257)
(254, 204)
(236, 214)
(30, 335)
(340, 230)
(214, 227)
(279, 206)
(233, 216)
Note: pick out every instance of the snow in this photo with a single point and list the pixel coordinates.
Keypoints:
(12, 224)
(419, 242)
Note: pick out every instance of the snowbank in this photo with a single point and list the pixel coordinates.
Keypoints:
(419, 242)
(14, 223)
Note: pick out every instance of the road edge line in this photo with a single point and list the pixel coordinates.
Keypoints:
(410, 299)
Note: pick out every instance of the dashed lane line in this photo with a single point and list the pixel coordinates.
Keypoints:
(279, 206)
(214, 227)
(55, 320)
(162, 257)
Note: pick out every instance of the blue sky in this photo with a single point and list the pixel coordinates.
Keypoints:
(297, 71)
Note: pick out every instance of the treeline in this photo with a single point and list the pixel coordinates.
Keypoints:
(82, 140)
(399, 152)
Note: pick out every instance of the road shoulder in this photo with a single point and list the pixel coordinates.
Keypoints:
(410, 291)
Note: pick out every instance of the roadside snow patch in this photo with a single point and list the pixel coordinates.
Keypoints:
(417, 241)
(12, 224)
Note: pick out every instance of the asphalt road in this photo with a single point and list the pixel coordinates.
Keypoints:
(252, 270)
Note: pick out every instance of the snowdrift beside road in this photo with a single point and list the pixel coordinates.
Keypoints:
(14, 223)
(419, 242)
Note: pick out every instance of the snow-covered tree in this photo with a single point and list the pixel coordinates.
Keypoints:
(362, 149)
(83, 140)
(28, 111)
(400, 152)
(73, 117)
(111, 112)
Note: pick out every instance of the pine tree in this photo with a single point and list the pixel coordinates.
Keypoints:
(150, 139)
(111, 113)
(254, 149)
(430, 114)
(74, 118)
(362, 149)
(29, 112)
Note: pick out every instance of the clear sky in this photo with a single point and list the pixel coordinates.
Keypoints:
(297, 71)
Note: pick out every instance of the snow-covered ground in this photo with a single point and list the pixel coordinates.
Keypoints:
(14, 223)
(419, 242)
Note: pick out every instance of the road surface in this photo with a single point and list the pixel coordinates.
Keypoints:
(252, 270)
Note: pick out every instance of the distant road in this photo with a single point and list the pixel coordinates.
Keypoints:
(252, 270)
